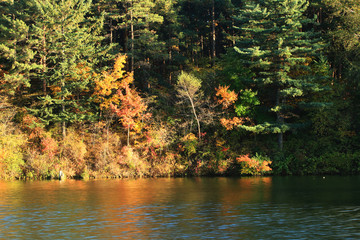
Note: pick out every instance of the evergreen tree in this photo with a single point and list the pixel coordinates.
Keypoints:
(138, 19)
(73, 47)
(111, 9)
(16, 54)
(274, 46)
(54, 42)
(206, 27)
(169, 33)
(342, 20)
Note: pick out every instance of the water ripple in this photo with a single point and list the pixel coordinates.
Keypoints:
(179, 209)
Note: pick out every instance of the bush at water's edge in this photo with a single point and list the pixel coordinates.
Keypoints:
(29, 151)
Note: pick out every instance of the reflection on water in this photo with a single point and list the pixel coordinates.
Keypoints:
(192, 208)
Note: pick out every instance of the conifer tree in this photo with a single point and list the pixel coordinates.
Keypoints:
(15, 52)
(277, 49)
(205, 27)
(137, 19)
(342, 24)
(111, 9)
(53, 42)
(169, 32)
(73, 51)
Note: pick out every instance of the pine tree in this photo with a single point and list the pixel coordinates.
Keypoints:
(73, 51)
(55, 43)
(111, 10)
(274, 46)
(15, 51)
(138, 19)
(169, 33)
(205, 28)
(342, 25)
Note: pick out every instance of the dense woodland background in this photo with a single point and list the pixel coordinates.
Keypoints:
(143, 88)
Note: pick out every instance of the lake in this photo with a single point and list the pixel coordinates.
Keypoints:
(182, 208)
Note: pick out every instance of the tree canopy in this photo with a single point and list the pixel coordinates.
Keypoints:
(122, 88)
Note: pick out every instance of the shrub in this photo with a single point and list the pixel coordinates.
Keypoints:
(136, 167)
(257, 165)
(39, 165)
(155, 149)
(72, 154)
(336, 163)
(11, 154)
(190, 142)
(104, 153)
(11, 147)
(49, 147)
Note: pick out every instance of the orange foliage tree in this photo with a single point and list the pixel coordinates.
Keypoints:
(113, 92)
(132, 109)
(226, 98)
(109, 82)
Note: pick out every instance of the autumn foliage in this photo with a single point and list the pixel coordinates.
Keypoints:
(126, 103)
(225, 97)
(230, 123)
(108, 83)
(210, 94)
(132, 107)
(253, 166)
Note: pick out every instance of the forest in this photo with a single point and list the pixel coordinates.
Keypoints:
(158, 88)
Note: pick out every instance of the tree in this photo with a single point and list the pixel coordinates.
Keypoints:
(62, 49)
(279, 53)
(188, 87)
(111, 11)
(226, 98)
(342, 25)
(15, 52)
(108, 83)
(132, 109)
(137, 19)
(206, 27)
(169, 32)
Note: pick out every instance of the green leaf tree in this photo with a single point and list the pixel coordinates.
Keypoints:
(278, 50)
(188, 89)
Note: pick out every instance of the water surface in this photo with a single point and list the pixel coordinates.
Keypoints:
(182, 208)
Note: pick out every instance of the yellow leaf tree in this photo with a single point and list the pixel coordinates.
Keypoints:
(113, 93)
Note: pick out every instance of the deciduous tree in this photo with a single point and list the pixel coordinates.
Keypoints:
(188, 89)
(127, 104)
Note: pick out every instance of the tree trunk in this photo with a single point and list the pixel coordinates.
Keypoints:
(279, 120)
(213, 53)
(111, 31)
(43, 59)
(281, 141)
(196, 117)
(63, 124)
(126, 36)
(202, 45)
(128, 135)
(63, 129)
(132, 40)
(233, 33)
